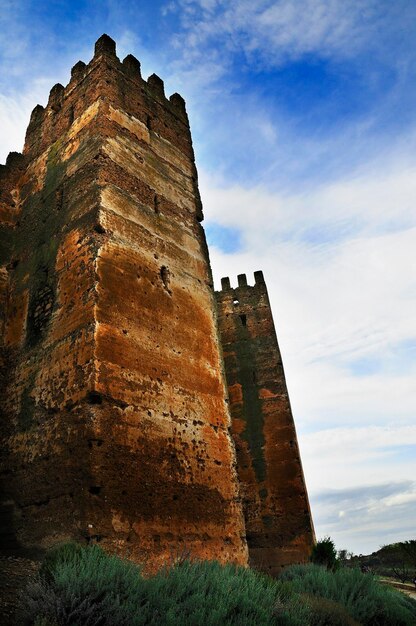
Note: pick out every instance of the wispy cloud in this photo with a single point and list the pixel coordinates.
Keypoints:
(306, 90)
(359, 444)
(362, 515)
(15, 109)
(340, 269)
(285, 30)
(33, 57)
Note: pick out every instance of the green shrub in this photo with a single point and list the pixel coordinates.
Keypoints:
(61, 553)
(90, 588)
(324, 553)
(364, 598)
(86, 587)
(211, 594)
(82, 586)
(324, 612)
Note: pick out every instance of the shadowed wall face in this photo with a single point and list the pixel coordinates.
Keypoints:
(277, 515)
(116, 426)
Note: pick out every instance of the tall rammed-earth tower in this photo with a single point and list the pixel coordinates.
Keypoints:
(115, 425)
(276, 507)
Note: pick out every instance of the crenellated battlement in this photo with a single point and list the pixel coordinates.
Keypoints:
(15, 163)
(56, 97)
(9, 175)
(105, 45)
(78, 71)
(132, 66)
(105, 76)
(242, 281)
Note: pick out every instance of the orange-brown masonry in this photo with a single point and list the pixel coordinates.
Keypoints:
(116, 422)
(116, 425)
(276, 508)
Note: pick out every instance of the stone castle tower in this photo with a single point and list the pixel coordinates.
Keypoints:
(275, 500)
(116, 425)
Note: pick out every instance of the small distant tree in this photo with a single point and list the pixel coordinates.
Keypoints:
(344, 556)
(402, 572)
(406, 560)
(324, 553)
(409, 548)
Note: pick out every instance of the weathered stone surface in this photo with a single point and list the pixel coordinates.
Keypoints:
(115, 422)
(115, 425)
(276, 508)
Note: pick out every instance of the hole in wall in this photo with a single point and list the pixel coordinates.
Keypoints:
(95, 490)
(40, 308)
(243, 319)
(13, 264)
(94, 397)
(97, 442)
(165, 276)
(59, 198)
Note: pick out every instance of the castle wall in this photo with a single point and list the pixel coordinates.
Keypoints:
(276, 509)
(115, 425)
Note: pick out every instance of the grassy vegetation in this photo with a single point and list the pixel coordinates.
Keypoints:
(83, 586)
(367, 601)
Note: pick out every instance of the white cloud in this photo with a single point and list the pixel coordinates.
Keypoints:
(340, 268)
(15, 110)
(347, 290)
(371, 515)
(281, 30)
(343, 457)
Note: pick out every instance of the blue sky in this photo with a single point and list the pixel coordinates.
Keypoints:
(304, 125)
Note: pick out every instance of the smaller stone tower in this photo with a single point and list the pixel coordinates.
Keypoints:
(276, 507)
